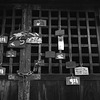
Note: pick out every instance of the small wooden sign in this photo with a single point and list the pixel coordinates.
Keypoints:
(36, 76)
(3, 39)
(40, 22)
(70, 64)
(60, 43)
(11, 53)
(39, 62)
(72, 80)
(59, 32)
(50, 54)
(34, 38)
(11, 76)
(2, 71)
(81, 71)
(60, 55)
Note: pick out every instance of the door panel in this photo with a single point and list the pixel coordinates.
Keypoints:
(53, 90)
(91, 90)
(8, 90)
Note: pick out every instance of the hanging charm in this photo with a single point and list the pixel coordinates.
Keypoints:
(3, 39)
(40, 22)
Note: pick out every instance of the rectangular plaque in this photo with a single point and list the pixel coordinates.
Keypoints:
(11, 53)
(34, 38)
(72, 80)
(70, 64)
(40, 22)
(59, 32)
(2, 71)
(11, 76)
(3, 39)
(50, 54)
(60, 55)
(39, 62)
(81, 71)
(60, 43)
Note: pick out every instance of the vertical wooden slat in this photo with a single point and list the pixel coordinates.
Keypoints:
(22, 51)
(69, 40)
(89, 43)
(28, 55)
(2, 33)
(22, 66)
(39, 51)
(98, 31)
(20, 90)
(79, 39)
(28, 46)
(12, 29)
(50, 60)
(59, 26)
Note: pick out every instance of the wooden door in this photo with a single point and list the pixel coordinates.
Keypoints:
(81, 42)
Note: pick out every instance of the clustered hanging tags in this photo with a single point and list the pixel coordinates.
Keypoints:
(20, 38)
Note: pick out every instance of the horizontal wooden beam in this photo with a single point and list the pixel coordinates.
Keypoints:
(53, 77)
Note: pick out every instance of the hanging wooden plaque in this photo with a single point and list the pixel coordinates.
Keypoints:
(40, 22)
(34, 38)
(72, 80)
(11, 53)
(81, 71)
(50, 54)
(60, 55)
(2, 71)
(59, 32)
(60, 43)
(3, 39)
(71, 64)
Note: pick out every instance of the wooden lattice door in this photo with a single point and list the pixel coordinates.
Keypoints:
(81, 44)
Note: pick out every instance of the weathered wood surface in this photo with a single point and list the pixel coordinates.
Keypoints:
(52, 90)
(57, 90)
(8, 90)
